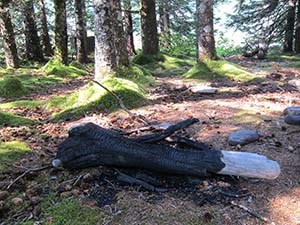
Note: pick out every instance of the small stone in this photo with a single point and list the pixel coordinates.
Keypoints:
(204, 90)
(35, 200)
(291, 148)
(295, 83)
(292, 120)
(17, 201)
(243, 137)
(3, 195)
(87, 178)
(293, 111)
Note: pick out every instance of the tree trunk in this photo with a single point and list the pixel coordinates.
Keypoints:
(81, 42)
(119, 35)
(90, 145)
(105, 55)
(164, 24)
(7, 33)
(129, 27)
(205, 30)
(33, 47)
(297, 32)
(60, 30)
(48, 51)
(149, 27)
(289, 30)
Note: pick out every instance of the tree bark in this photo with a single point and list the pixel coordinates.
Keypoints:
(150, 43)
(48, 51)
(60, 30)
(119, 35)
(129, 27)
(105, 54)
(297, 32)
(205, 30)
(90, 145)
(81, 33)
(164, 24)
(289, 30)
(7, 33)
(33, 45)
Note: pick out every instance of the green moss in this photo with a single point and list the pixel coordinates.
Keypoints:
(246, 116)
(12, 151)
(219, 70)
(22, 103)
(78, 65)
(12, 120)
(54, 67)
(164, 64)
(11, 87)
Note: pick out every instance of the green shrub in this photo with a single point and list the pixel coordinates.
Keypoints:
(11, 87)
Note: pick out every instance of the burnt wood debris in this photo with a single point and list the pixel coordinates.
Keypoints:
(90, 145)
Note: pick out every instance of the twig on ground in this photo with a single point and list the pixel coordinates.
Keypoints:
(253, 213)
(233, 195)
(28, 170)
(122, 105)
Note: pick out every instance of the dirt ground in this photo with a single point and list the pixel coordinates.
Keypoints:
(208, 200)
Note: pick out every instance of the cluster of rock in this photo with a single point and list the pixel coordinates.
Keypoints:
(292, 115)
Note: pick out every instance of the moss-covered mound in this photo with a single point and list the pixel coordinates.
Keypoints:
(12, 151)
(128, 84)
(7, 119)
(219, 70)
(164, 64)
(54, 67)
(11, 87)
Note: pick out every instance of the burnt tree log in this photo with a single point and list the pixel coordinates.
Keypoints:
(89, 145)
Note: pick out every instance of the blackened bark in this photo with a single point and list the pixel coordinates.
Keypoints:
(7, 33)
(150, 43)
(105, 54)
(33, 45)
(129, 27)
(48, 51)
(297, 32)
(289, 30)
(60, 30)
(164, 23)
(119, 35)
(81, 42)
(205, 30)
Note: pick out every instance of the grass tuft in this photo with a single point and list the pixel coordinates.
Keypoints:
(11, 87)
(54, 67)
(7, 119)
(217, 71)
(12, 151)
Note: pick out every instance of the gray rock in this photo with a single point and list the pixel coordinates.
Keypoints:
(243, 137)
(204, 90)
(295, 83)
(292, 120)
(293, 111)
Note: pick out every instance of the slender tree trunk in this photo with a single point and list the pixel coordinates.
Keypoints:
(297, 32)
(205, 30)
(60, 30)
(105, 54)
(129, 27)
(81, 43)
(119, 35)
(33, 45)
(7, 33)
(48, 51)
(149, 27)
(164, 23)
(289, 30)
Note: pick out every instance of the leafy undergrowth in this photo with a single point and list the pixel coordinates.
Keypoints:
(54, 67)
(92, 97)
(11, 87)
(164, 64)
(11, 152)
(218, 71)
(8, 119)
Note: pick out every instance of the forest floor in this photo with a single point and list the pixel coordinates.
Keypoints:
(96, 196)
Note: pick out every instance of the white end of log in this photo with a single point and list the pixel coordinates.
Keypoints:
(249, 165)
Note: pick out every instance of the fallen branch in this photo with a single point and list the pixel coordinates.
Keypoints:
(233, 195)
(253, 213)
(29, 170)
(122, 105)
